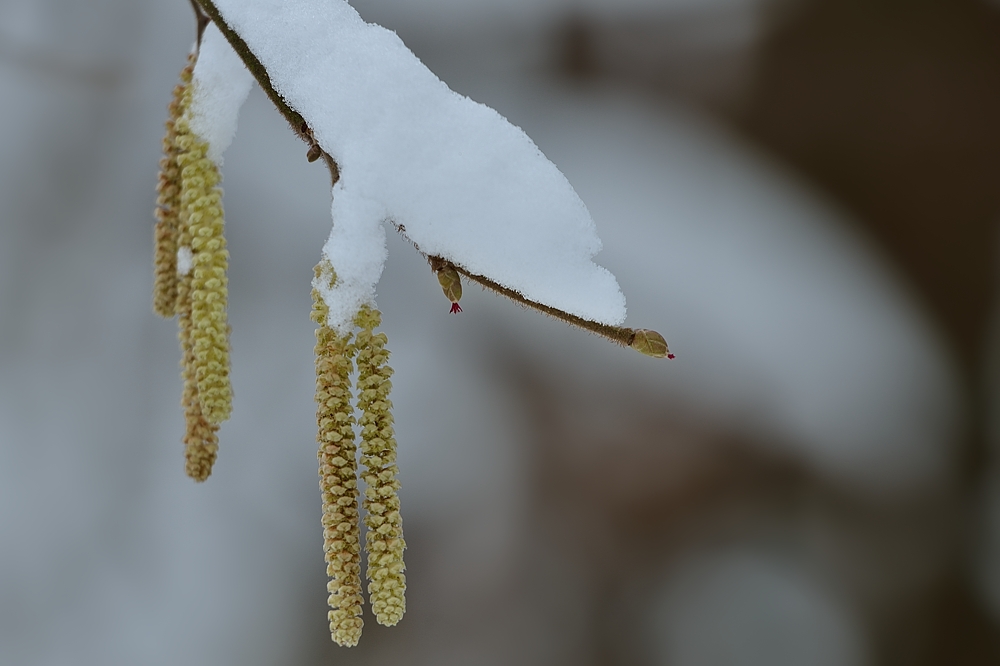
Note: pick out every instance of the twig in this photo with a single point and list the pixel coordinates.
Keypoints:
(294, 118)
(621, 335)
(202, 19)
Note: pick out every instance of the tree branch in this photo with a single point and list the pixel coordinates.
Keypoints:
(621, 335)
(295, 120)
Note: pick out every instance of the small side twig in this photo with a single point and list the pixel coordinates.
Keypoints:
(201, 18)
(619, 334)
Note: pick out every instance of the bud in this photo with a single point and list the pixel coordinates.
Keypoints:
(650, 343)
(451, 284)
(450, 281)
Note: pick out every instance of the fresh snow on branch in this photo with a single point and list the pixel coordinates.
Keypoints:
(221, 85)
(453, 175)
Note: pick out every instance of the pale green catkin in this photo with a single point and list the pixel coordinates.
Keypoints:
(384, 540)
(201, 210)
(338, 474)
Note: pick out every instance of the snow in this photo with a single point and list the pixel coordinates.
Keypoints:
(221, 85)
(458, 179)
(185, 260)
(357, 251)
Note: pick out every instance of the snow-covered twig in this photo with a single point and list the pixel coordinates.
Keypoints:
(295, 120)
(645, 341)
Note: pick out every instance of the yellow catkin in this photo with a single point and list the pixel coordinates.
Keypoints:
(201, 443)
(201, 211)
(168, 190)
(384, 540)
(338, 474)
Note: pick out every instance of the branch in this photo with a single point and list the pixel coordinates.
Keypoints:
(620, 334)
(645, 341)
(295, 120)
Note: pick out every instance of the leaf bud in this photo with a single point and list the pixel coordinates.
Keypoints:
(451, 283)
(650, 343)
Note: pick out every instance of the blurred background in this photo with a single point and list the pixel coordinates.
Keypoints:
(801, 195)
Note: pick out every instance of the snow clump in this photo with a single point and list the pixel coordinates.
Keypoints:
(221, 85)
(452, 175)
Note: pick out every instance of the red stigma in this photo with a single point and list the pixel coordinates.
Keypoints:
(455, 308)
(671, 356)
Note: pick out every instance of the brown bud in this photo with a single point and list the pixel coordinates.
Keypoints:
(650, 343)
(314, 152)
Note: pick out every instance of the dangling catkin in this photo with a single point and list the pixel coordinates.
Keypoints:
(338, 473)
(384, 541)
(201, 443)
(201, 209)
(168, 190)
